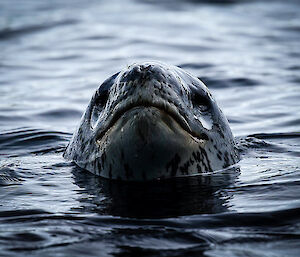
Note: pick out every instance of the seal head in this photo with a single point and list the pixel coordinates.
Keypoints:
(152, 121)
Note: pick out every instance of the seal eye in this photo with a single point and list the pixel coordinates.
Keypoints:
(201, 101)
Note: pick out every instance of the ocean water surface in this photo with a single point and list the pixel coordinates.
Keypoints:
(54, 54)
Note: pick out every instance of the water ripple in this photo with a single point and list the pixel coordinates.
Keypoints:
(54, 54)
(27, 141)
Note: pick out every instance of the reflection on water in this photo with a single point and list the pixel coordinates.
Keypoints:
(53, 56)
(171, 198)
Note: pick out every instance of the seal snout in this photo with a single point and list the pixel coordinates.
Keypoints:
(138, 72)
(149, 86)
(144, 72)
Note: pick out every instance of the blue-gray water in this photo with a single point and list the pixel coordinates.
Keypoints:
(54, 54)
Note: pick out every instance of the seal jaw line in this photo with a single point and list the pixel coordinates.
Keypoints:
(167, 108)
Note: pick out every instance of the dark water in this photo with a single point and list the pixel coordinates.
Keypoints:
(55, 53)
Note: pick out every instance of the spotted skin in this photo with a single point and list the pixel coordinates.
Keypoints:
(152, 121)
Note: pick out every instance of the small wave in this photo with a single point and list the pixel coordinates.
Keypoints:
(212, 2)
(224, 83)
(43, 233)
(60, 113)
(294, 67)
(30, 213)
(195, 66)
(228, 219)
(9, 177)
(292, 28)
(276, 135)
(8, 33)
(268, 142)
(27, 141)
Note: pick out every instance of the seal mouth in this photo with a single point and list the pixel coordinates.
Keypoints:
(167, 108)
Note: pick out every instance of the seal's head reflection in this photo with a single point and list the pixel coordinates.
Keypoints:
(157, 199)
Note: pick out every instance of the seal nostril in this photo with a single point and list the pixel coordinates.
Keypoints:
(95, 117)
(139, 72)
(101, 97)
(102, 94)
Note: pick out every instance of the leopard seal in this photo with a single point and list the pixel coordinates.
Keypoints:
(152, 121)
